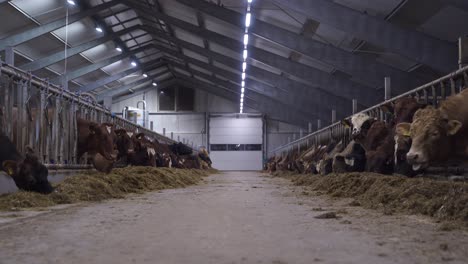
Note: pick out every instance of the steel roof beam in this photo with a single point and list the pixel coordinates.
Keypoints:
(98, 65)
(101, 82)
(162, 85)
(310, 106)
(462, 4)
(365, 69)
(59, 56)
(294, 87)
(29, 34)
(266, 108)
(255, 95)
(439, 54)
(336, 84)
(124, 88)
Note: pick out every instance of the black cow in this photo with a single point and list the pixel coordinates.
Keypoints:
(27, 172)
(180, 149)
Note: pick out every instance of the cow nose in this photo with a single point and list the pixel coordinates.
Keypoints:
(411, 156)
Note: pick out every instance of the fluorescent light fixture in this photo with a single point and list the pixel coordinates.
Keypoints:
(244, 66)
(246, 39)
(118, 49)
(247, 19)
(134, 64)
(243, 76)
(242, 100)
(242, 95)
(241, 111)
(249, 1)
(244, 55)
(243, 89)
(71, 2)
(145, 75)
(243, 84)
(99, 29)
(155, 84)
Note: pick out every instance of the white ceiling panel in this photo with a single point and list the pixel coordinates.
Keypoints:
(225, 51)
(449, 24)
(195, 55)
(79, 32)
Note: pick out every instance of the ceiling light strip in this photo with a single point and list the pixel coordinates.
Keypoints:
(248, 20)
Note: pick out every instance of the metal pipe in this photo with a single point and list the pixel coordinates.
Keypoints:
(449, 77)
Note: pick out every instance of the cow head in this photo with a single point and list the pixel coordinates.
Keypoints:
(360, 124)
(379, 161)
(351, 159)
(402, 109)
(402, 146)
(102, 164)
(124, 142)
(28, 174)
(102, 136)
(431, 132)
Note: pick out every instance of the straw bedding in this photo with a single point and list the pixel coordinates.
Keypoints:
(443, 200)
(95, 186)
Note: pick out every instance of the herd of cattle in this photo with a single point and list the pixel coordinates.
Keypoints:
(414, 137)
(106, 147)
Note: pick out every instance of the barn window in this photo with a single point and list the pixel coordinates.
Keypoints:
(218, 147)
(167, 99)
(185, 98)
(235, 147)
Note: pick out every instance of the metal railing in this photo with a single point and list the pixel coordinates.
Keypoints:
(430, 93)
(42, 115)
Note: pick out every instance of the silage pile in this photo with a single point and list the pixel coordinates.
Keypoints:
(95, 186)
(443, 200)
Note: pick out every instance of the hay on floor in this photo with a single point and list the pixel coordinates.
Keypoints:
(95, 186)
(443, 200)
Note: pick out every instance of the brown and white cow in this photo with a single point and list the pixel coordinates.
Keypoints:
(125, 145)
(96, 138)
(351, 159)
(439, 135)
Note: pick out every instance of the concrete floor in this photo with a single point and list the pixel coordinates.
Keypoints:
(234, 217)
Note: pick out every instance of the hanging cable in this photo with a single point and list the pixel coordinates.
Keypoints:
(66, 43)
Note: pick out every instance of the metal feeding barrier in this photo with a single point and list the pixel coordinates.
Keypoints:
(36, 113)
(431, 93)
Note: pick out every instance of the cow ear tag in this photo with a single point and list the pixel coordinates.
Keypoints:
(9, 167)
(403, 129)
(346, 123)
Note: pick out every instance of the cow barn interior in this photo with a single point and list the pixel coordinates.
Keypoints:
(233, 131)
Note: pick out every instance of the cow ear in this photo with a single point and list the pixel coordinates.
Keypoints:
(388, 108)
(93, 128)
(346, 123)
(10, 167)
(108, 127)
(403, 129)
(453, 127)
(120, 131)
